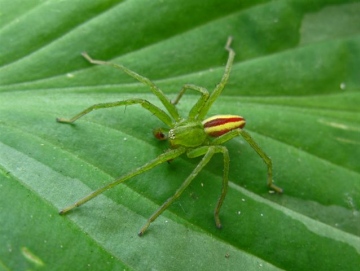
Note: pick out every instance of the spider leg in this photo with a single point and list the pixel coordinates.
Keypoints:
(255, 146)
(215, 149)
(219, 88)
(160, 114)
(208, 152)
(265, 158)
(200, 103)
(169, 155)
(146, 81)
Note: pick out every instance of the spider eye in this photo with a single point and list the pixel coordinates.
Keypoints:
(221, 124)
(159, 134)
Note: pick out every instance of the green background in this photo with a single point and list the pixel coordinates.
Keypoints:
(296, 80)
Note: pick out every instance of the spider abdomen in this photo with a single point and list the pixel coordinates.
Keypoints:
(221, 124)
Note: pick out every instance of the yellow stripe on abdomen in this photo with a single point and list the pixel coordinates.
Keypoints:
(221, 124)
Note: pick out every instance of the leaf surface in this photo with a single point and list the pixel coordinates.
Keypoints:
(295, 79)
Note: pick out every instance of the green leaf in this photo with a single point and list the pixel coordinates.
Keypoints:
(295, 79)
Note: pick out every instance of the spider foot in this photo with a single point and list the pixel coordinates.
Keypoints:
(143, 229)
(217, 222)
(276, 188)
(61, 120)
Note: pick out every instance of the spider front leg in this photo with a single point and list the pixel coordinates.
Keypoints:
(199, 104)
(203, 105)
(169, 155)
(219, 88)
(160, 114)
(208, 152)
(146, 81)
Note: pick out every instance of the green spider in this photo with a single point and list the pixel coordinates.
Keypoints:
(194, 135)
